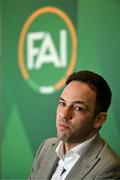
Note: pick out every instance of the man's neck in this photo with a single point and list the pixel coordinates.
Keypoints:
(69, 146)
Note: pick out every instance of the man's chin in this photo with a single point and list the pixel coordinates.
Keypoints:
(63, 138)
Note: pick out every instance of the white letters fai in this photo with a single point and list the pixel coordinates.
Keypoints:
(47, 52)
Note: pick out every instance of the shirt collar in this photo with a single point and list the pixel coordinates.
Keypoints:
(79, 149)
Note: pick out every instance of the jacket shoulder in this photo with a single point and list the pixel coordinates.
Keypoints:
(52, 140)
(46, 144)
(110, 156)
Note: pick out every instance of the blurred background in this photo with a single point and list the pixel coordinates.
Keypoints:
(43, 42)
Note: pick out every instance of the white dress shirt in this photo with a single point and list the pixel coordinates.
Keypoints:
(68, 160)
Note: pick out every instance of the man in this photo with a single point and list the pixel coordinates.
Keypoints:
(79, 152)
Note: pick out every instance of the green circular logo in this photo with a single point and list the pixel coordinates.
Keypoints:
(47, 49)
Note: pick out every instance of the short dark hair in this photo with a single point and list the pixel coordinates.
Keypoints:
(96, 83)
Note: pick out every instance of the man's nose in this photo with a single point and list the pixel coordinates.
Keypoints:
(67, 113)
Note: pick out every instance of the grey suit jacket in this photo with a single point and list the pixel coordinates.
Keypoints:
(98, 162)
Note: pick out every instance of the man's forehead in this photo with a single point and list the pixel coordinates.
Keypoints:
(78, 92)
(77, 87)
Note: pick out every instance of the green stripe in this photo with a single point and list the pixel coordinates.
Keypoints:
(16, 152)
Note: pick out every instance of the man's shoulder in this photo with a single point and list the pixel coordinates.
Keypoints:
(110, 154)
(47, 144)
(103, 150)
(52, 140)
(106, 154)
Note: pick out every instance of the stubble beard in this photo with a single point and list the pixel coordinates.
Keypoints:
(68, 137)
(64, 136)
(71, 137)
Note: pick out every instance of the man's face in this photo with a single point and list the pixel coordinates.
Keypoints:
(75, 119)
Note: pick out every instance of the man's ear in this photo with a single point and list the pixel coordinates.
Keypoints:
(100, 119)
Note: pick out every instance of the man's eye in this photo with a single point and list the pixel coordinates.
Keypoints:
(77, 108)
(61, 103)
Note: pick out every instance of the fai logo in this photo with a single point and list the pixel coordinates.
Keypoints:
(47, 49)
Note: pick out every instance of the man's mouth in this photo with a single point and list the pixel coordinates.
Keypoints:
(63, 126)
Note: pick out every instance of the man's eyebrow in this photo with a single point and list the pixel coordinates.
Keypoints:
(81, 103)
(60, 98)
(75, 102)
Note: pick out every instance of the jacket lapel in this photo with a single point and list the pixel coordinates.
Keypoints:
(86, 163)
